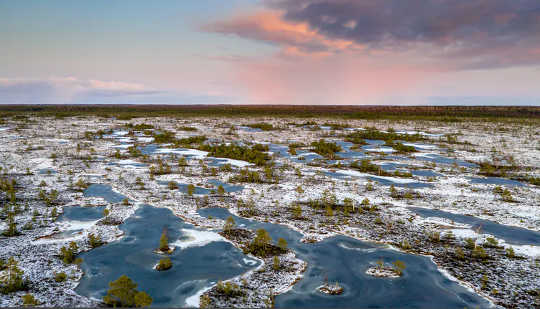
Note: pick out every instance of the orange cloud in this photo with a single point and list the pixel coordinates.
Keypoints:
(296, 39)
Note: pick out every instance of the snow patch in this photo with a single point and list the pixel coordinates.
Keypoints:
(197, 238)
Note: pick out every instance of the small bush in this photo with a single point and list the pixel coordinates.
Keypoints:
(29, 300)
(60, 277)
(164, 264)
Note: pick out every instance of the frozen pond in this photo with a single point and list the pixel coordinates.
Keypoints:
(496, 181)
(195, 267)
(511, 234)
(104, 191)
(345, 260)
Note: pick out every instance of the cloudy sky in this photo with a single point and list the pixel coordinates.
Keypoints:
(270, 51)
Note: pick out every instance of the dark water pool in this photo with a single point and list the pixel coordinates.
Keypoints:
(511, 234)
(104, 191)
(345, 260)
(496, 181)
(80, 213)
(194, 268)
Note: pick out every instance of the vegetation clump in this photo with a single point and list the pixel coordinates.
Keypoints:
(255, 154)
(374, 134)
(164, 264)
(264, 126)
(229, 289)
(60, 277)
(94, 241)
(12, 279)
(67, 254)
(262, 246)
(29, 300)
(164, 243)
(123, 293)
(326, 149)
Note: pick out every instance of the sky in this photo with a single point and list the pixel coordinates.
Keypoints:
(353, 52)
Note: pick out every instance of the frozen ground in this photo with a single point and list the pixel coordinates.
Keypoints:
(54, 154)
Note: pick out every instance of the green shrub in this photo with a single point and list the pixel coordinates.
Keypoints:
(326, 149)
(67, 254)
(13, 279)
(229, 289)
(60, 277)
(94, 241)
(399, 266)
(164, 242)
(123, 293)
(164, 264)
(255, 154)
(29, 300)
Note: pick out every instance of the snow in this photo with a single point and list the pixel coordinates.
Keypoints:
(381, 149)
(58, 140)
(249, 262)
(80, 225)
(464, 233)
(360, 174)
(194, 153)
(127, 162)
(125, 146)
(120, 133)
(528, 250)
(193, 301)
(421, 146)
(238, 163)
(42, 163)
(145, 139)
(197, 238)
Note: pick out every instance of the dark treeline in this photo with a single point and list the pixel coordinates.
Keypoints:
(439, 113)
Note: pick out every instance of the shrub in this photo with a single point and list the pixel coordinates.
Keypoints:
(60, 277)
(326, 149)
(276, 263)
(164, 264)
(460, 255)
(13, 280)
(94, 241)
(479, 253)
(282, 243)
(172, 185)
(296, 211)
(400, 148)
(491, 242)
(229, 289)
(510, 253)
(229, 225)
(262, 125)
(405, 244)
(399, 266)
(190, 189)
(11, 231)
(262, 245)
(67, 254)
(123, 293)
(470, 243)
(164, 242)
(255, 154)
(29, 300)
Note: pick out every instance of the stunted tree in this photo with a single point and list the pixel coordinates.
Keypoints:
(164, 241)
(229, 224)
(123, 293)
(221, 190)
(282, 243)
(190, 189)
(11, 279)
